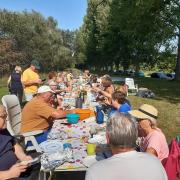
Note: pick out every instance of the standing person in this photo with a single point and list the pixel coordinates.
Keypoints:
(153, 140)
(15, 84)
(126, 163)
(31, 80)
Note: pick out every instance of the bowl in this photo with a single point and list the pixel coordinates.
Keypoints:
(72, 118)
(84, 113)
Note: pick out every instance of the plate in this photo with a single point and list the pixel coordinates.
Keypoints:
(51, 146)
(89, 160)
(98, 139)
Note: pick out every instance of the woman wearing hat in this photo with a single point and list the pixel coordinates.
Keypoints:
(153, 140)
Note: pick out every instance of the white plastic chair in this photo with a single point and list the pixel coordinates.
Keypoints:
(132, 88)
(13, 108)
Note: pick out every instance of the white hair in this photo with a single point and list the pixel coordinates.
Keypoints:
(122, 131)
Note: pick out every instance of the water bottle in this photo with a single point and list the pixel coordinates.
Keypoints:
(99, 115)
(79, 102)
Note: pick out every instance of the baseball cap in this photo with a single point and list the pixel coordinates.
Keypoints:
(44, 89)
(36, 64)
(145, 111)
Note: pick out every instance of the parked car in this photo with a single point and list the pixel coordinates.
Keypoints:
(171, 75)
(140, 74)
(160, 75)
(118, 72)
(130, 72)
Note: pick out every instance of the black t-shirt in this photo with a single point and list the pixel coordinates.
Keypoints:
(7, 155)
(16, 83)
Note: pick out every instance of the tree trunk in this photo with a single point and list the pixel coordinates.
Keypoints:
(137, 67)
(177, 76)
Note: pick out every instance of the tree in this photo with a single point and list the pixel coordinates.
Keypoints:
(92, 31)
(36, 37)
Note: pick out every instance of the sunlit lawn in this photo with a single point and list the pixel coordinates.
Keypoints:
(167, 101)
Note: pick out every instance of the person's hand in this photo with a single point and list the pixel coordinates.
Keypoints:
(26, 158)
(16, 170)
(38, 81)
(73, 111)
(59, 108)
(106, 101)
(96, 89)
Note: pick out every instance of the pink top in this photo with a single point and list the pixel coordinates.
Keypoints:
(157, 141)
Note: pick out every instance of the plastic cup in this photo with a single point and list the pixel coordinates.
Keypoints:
(91, 149)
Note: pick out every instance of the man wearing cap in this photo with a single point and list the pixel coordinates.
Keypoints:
(153, 140)
(37, 114)
(31, 80)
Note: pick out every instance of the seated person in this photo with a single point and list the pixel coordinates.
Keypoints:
(119, 103)
(56, 100)
(52, 76)
(107, 90)
(10, 152)
(39, 115)
(153, 140)
(62, 85)
(124, 88)
(126, 163)
(69, 77)
(93, 80)
(86, 74)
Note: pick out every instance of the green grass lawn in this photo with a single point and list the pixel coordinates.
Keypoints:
(167, 101)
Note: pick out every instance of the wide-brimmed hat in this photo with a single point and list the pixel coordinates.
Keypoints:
(36, 64)
(44, 89)
(145, 111)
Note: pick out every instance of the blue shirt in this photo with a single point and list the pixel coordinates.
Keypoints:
(7, 155)
(124, 108)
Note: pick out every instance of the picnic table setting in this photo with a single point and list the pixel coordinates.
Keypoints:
(72, 142)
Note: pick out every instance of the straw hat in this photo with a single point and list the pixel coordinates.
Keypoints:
(145, 111)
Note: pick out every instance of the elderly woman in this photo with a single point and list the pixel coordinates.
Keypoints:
(153, 140)
(126, 163)
(10, 152)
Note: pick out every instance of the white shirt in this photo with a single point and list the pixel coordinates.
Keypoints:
(130, 165)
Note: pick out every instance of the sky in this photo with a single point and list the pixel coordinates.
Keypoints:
(68, 13)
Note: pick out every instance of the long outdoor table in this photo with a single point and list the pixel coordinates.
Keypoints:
(75, 132)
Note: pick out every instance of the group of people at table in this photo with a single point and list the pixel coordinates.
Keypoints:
(123, 126)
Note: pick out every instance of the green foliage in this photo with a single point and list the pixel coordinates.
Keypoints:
(31, 36)
(130, 33)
